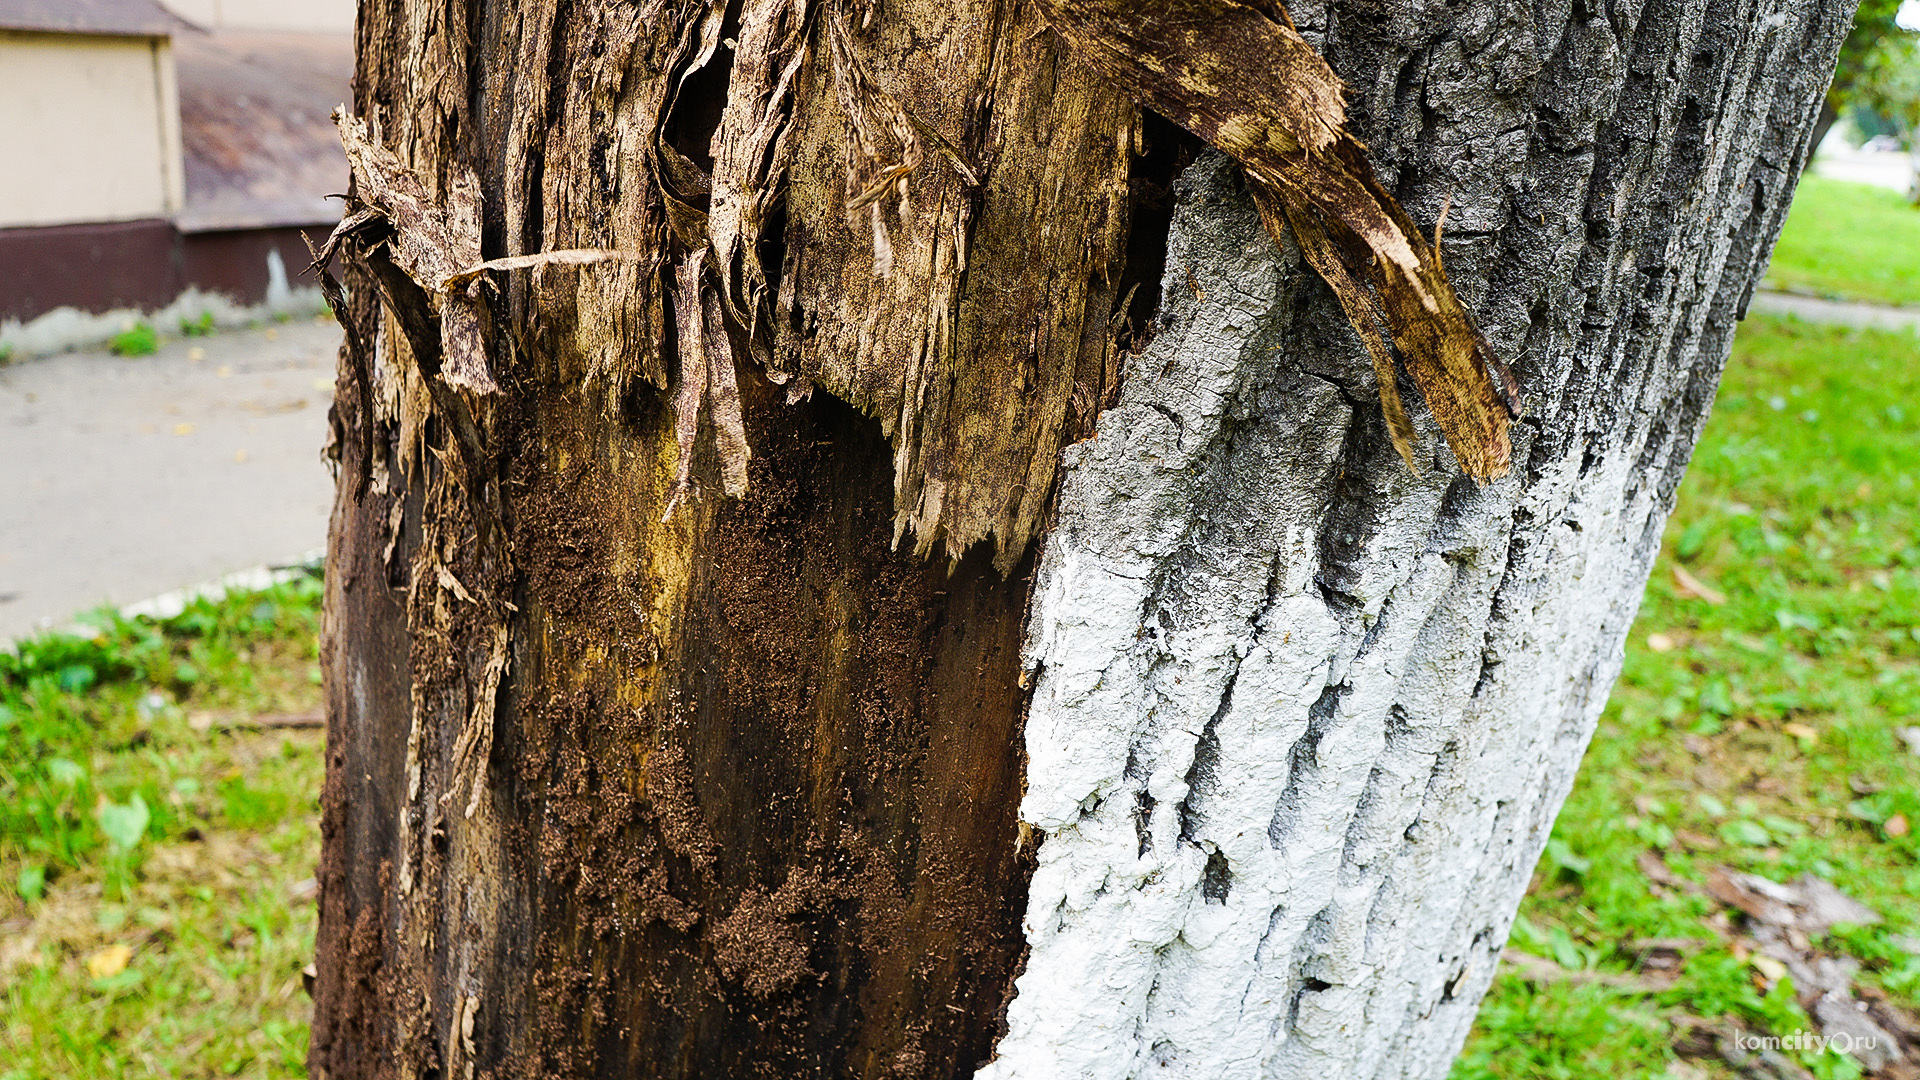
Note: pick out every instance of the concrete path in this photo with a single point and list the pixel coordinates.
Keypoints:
(124, 478)
(1891, 169)
(1850, 313)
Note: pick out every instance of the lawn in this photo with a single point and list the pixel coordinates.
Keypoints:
(1850, 242)
(157, 843)
(1756, 725)
(158, 829)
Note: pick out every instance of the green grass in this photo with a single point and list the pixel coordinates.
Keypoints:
(152, 916)
(137, 340)
(1801, 507)
(1851, 242)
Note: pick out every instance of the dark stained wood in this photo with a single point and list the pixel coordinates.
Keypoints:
(729, 791)
(756, 787)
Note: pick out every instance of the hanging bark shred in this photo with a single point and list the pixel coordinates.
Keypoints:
(897, 168)
(359, 355)
(475, 744)
(956, 197)
(691, 394)
(433, 241)
(708, 394)
(723, 402)
(437, 244)
(1240, 76)
(882, 147)
(751, 162)
(1362, 311)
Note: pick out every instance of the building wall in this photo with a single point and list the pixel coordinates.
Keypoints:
(91, 128)
(330, 16)
(144, 265)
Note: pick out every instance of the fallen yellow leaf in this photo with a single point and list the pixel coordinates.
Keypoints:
(1660, 643)
(1693, 586)
(1799, 730)
(1766, 965)
(183, 429)
(109, 961)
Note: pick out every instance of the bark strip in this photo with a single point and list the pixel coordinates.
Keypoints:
(1241, 77)
(434, 242)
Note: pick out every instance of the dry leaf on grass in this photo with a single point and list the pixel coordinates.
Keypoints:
(1693, 586)
(1808, 904)
(109, 961)
(1540, 970)
(1656, 870)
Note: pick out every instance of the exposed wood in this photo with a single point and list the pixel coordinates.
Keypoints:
(754, 783)
(734, 778)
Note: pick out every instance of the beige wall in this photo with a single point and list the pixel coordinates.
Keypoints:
(334, 16)
(89, 129)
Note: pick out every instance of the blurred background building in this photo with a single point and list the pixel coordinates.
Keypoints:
(167, 149)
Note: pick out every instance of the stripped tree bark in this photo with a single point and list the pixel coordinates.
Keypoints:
(866, 550)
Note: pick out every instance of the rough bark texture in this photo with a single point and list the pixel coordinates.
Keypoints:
(731, 791)
(1302, 721)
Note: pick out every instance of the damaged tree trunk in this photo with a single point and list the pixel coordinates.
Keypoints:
(864, 550)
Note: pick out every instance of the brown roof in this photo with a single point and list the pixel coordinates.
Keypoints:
(260, 149)
(135, 18)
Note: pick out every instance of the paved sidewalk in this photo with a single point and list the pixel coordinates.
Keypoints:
(1890, 169)
(1851, 313)
(124, 478)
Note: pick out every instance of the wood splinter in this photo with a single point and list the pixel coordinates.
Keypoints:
(1240, 76)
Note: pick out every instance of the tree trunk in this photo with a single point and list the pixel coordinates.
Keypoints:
(989, 626)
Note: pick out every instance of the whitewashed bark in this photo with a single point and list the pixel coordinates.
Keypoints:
(1301, 720)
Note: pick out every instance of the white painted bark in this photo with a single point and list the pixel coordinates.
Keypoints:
(1301, 720)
